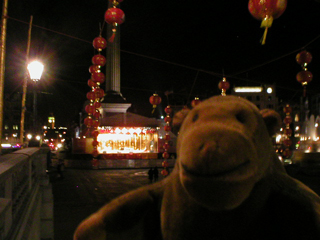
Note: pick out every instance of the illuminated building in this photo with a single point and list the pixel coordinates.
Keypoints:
(262, 96)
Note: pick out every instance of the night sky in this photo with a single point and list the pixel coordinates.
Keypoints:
(183, 47)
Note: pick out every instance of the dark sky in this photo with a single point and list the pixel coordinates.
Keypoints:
(180, 46)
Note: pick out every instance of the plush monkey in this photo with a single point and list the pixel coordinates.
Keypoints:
(227, 184)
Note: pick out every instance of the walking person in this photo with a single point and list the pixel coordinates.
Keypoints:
(150, 174)
(155, 174)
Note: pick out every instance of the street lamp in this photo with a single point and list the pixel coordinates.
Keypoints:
(35, 69)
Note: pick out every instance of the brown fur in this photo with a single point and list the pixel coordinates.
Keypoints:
(227, 184)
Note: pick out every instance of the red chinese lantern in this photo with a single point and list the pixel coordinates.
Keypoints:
(96, 114)
(167, 119)
(92, 84)
(95, 133)
(99, 43)
(165, 155)
(88, 121)
(167, 128)
(164, 172)
(168, 110)
(304, 77)
(96, 123)
(91, 95)
(155, 100)
(304, 58)
(94, 69)
(287, 132)
(98, 77)
(99, 92)
(166, 146)
(266, 11)
(195, 102)
(224, 85)
(114, 16)
(99, 59)
(95, 143)
(167, 137)
(90, 109)
(287, 120)
(287, 109)
(97, 104)
(165, 164)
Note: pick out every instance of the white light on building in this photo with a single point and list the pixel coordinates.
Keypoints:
(247, 89)
(269, 90)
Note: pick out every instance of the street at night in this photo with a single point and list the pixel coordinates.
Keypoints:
(83, 191)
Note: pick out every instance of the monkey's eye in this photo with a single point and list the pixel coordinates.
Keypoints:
(195, 117)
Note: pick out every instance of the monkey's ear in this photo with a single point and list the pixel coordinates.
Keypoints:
(272, 120)
(178, 119)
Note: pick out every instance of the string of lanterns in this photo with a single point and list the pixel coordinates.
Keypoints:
(266, 11)
(113, 16)
(304, 77)
(287, 142)
(167, 129)
(95, 94)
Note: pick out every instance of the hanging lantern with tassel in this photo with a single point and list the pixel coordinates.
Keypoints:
(114, 16)
(224, 85)
(155, 100)
(266, 11)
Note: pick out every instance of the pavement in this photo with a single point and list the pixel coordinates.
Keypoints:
(78, 193)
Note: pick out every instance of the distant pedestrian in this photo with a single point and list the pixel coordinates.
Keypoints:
(150, 174)
(60, 167)
(155, 174)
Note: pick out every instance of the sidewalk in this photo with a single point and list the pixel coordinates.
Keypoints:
(81, 192)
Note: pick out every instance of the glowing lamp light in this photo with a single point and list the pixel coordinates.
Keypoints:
(35, 69)
(248, 89)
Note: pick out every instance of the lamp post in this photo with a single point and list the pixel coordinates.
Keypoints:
(35, 69)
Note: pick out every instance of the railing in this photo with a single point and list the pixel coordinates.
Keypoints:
(26, 201)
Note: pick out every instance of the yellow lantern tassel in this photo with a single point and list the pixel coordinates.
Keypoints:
(266, 23)
(154, 108)
(263, 39)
